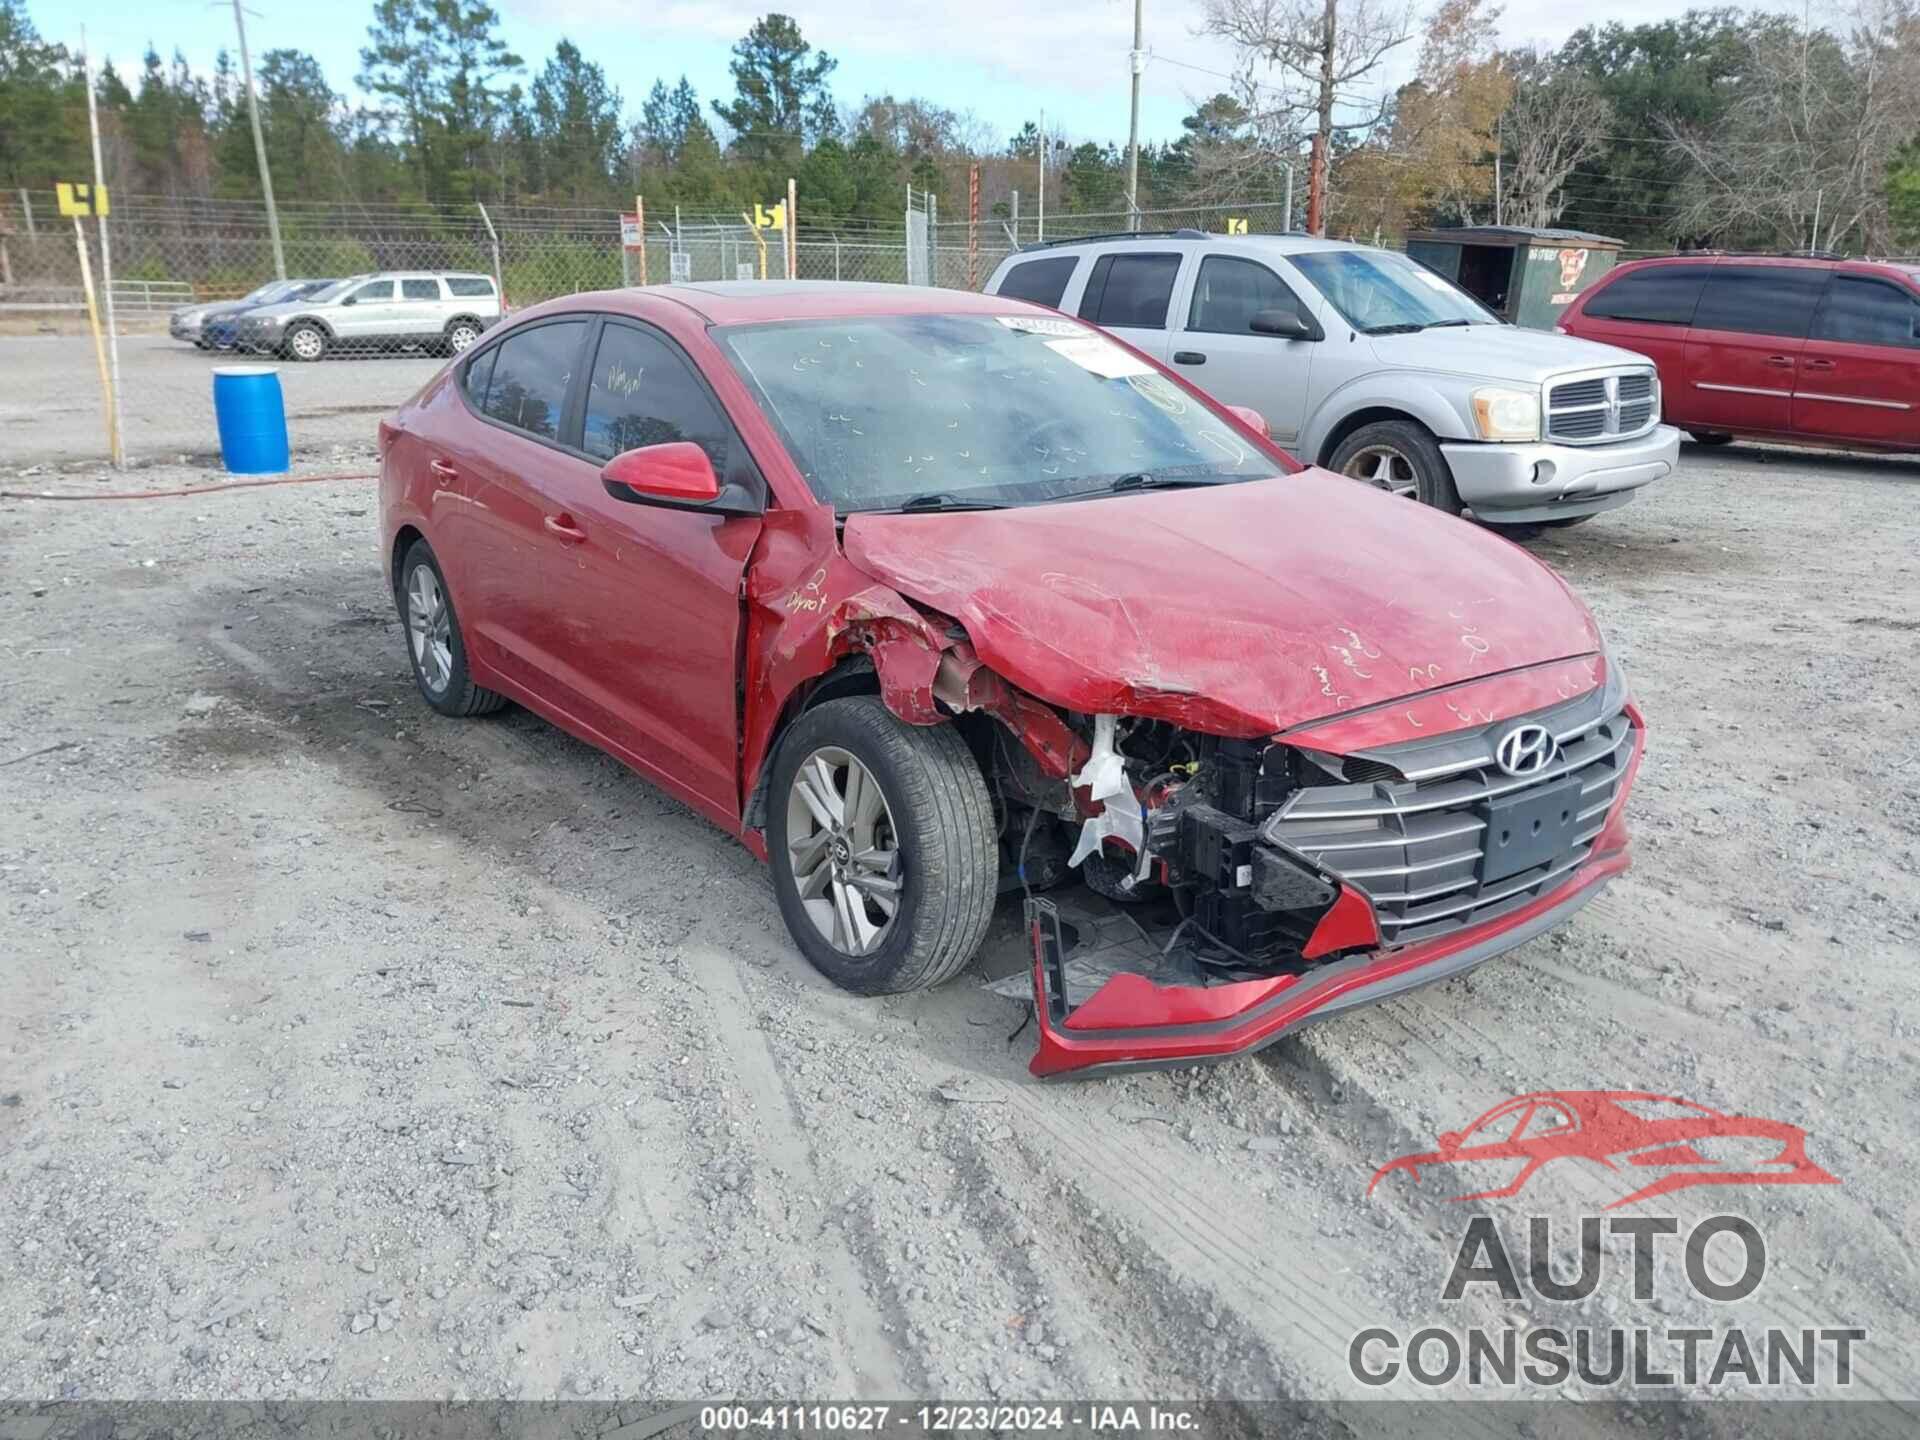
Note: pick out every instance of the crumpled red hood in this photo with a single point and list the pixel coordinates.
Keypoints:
(1238, 610)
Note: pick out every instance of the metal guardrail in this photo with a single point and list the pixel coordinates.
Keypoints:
(129, 296)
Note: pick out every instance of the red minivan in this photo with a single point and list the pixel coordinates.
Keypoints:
(1812, 351)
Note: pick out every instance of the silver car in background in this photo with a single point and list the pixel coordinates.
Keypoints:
(1368, 363)
(443, 312)
(189, 322)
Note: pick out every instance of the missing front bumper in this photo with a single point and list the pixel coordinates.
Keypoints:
(1150, 1017)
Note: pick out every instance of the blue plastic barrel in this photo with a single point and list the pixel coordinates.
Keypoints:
(252, 417)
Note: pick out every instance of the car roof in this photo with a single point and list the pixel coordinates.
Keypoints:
(1851, 264)
(1289, 244)
(745, 302)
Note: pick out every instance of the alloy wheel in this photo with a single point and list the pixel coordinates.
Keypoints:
(843, 850)
(430, 628)
(460, 337)
(307, 344)
(1384, 467)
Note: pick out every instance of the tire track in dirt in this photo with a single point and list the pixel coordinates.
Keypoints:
(870, 1364)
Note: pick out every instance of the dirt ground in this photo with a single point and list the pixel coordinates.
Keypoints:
(348, 1051)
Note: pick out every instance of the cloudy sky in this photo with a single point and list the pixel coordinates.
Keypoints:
(1005, 60)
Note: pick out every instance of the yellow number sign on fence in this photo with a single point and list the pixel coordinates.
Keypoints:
(1236, 225)
(80, 200)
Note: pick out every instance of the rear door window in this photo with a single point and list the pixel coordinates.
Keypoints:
(528, 387)
(1760, 299)
(419, 289)
(1662, 295)
(479, 372)
(1231, 291)
(1041, 281)
(1130, 291)
(1859, 311)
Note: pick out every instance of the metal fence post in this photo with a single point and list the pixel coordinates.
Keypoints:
(499, 276)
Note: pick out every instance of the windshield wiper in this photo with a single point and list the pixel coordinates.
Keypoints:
(1410, 327)
(940, 500)
(1142, 480)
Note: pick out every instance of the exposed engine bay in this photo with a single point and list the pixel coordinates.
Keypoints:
(1165, 823)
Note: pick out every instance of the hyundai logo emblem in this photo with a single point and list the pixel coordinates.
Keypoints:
(1526, 750)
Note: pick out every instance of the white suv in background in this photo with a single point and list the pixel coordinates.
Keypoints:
(1368, 363)
(443, 312)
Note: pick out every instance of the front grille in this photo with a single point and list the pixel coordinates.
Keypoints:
(1579, 392)
(1584, 425)
(1602, 407)
(1417, 846)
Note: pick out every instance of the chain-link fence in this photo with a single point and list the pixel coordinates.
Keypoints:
(171, 253)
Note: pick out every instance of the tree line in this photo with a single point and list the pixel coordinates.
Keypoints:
(449, 113)
(1718, 126)
(1715, 127)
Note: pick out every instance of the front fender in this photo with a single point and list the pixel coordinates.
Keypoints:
(1424, 398)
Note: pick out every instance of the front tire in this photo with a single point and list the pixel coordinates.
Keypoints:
(305, 342)
(435, 647)
(1400, 457)
(882, 844)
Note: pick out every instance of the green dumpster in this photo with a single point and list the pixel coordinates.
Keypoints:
(1523, 275)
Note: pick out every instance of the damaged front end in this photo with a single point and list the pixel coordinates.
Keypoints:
(1247, 887)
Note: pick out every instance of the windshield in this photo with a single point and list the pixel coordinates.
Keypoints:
(978, 409)
(333, 288)
(270, 291)
(1381, 291)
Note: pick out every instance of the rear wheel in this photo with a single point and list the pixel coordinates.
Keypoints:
(882, 844)
(1400, 457)
(435, 645)
(306, 342)
(460, 336)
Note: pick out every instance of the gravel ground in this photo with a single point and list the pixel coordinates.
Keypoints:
(354, 1052)
(50, 411)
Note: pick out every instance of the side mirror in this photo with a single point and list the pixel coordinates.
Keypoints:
(1252, 419)
(349, 300)
(677, 475)
(1287, 324)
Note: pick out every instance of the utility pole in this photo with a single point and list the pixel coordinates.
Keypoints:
(116, 440)
(260, 145)
(1499, 145)
(1286, 226)
(1323, 128)
(1137, 61)
(1040, 231)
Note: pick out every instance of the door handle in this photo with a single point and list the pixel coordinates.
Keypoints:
(1783, 362)
(1819, 364)
(443, 470)
(1189, 357)
(563, 526)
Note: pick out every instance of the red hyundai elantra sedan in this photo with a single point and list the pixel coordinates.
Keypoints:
(927, 596)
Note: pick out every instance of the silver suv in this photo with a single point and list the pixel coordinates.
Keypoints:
(1368, 363)
(441, 312)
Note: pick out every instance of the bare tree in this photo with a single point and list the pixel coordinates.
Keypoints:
(1556, 120)
(1319, 51)
(1800, 159)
